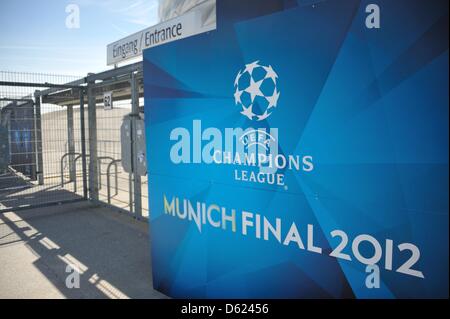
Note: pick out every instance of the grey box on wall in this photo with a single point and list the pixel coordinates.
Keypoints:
(133, 141)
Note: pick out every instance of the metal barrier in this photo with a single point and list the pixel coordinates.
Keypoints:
(56, 122)
(126, 85)
(108, 183)
(34, 133)
(62, 167)
(99, 161)
(75, 163)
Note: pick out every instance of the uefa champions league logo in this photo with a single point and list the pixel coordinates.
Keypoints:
(256, 91)
(254, 152)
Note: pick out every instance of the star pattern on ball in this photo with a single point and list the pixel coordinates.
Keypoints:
(254, 89)
(273, 100)
(248, 112)
(257, 94)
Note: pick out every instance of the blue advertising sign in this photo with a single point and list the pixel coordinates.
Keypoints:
(301, 151)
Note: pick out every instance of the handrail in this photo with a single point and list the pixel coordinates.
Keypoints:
(75, 164)
(62, 165)
(99, 165)
(108, 183)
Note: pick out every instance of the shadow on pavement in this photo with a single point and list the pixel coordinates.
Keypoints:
(110, 250)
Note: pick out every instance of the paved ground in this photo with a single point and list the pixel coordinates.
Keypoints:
(111, 251)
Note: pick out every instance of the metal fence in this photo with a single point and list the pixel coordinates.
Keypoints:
(33, 138)
(69, 147)
(115, 186)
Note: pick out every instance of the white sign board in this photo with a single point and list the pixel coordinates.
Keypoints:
(178, 28)
(107, 101)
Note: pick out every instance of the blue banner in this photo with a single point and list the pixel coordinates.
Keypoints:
(301, 151)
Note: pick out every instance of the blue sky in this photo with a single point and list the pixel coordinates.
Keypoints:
(34, 36)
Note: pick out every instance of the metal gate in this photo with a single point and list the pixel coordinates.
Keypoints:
(40, 142)
(64, 145)
(113, 155)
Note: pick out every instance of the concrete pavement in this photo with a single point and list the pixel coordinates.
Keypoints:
(110, 250)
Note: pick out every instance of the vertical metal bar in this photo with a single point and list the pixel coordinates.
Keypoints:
(137, 193)
(71, 143)
(83, 145)
(61, 169)
(33, 144)
(99, 167)
(108, 185)
(108, 179)
(75, 181)
(38, 128)
(130, 193)
(116, 180)
(93, 169)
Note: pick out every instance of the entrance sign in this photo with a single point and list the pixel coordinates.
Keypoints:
(187, 25)
(295, 153)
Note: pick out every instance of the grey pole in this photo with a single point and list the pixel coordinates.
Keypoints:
(83, 145)
(93, 162)
(71, 143)
(134, 117)
(38, 128)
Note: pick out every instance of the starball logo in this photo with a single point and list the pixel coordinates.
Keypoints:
(253, 151)
(256, 88)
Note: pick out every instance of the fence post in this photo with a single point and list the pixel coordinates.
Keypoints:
(71, 143)
(134, 117)
(92, 122)
(38, 145)
(83, 145)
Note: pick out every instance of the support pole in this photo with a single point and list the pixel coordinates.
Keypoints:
(134, 116)
(93, 162)
(38, 142)
(71, 143)
(83, 145)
